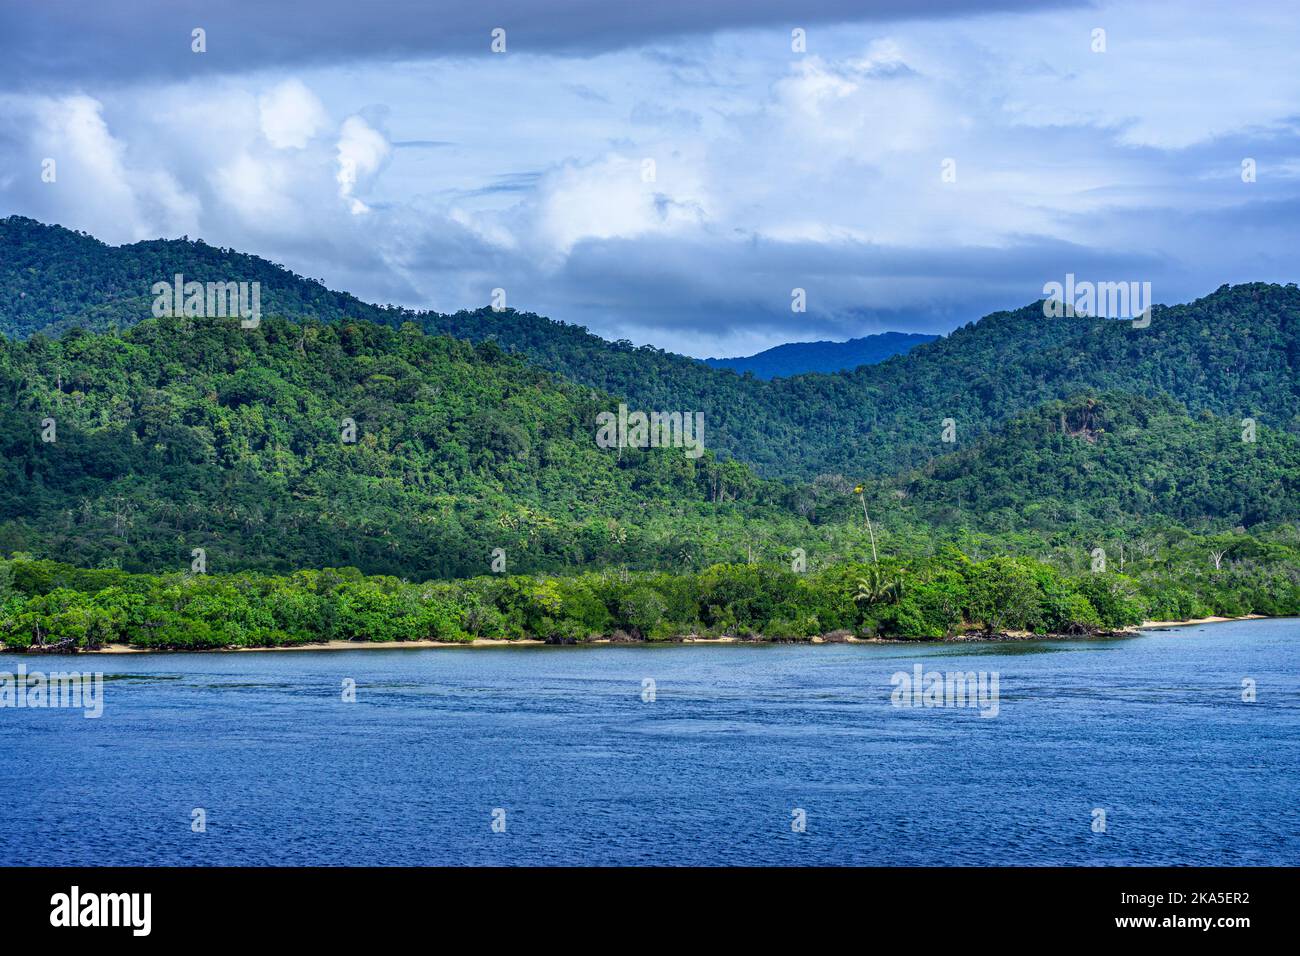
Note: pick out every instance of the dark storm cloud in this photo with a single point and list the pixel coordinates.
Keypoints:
(56, 44)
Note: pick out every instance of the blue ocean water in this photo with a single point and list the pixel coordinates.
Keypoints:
(1151, 729)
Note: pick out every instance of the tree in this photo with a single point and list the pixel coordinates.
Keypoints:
(878, 586)
(1004, 594)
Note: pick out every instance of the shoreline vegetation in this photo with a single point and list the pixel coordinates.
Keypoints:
(690, 639)
(47, 607)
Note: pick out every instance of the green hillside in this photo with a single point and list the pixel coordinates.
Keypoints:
(177, 434)
(1235, 353)
(55, 279)
(1112, 460)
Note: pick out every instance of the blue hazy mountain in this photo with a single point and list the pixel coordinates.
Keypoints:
(795, 358)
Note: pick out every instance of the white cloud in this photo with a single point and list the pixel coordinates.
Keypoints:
(615, 197)
(291, 115)
(257, 190)
(100, 184)
(361, 151)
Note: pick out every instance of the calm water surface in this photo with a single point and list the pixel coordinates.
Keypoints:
(1151, 729)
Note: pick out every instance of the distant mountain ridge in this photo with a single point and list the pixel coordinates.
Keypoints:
(797, 358)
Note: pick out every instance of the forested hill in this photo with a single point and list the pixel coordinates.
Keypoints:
(797, 358)
(53, 278)
(326, 444)
(1234, 353)
(308, 445)
(1107, 462)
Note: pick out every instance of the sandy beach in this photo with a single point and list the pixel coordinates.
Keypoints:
(1199, 620)
(322, 646)
(688, 639)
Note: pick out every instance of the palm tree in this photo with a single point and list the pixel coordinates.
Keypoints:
(878, 587)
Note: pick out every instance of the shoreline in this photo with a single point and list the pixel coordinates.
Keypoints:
(1149, 625)
(1006, 636)
(320, 646)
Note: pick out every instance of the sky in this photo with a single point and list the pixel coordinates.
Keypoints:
(670, 172)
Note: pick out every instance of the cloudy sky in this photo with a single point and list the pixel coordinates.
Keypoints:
(669, 172)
